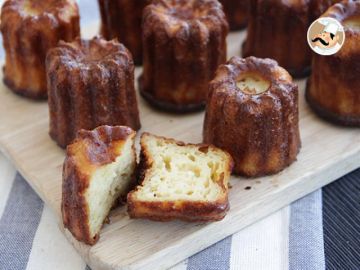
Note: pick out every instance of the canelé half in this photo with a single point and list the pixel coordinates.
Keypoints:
(98, 170)
(180, 181)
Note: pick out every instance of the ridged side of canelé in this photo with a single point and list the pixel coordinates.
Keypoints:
(279, 31)
(181, 53)
(90, 150)
(236, 12)
(260, 131)
(121, 19)
(86, 92)
(27, 38)
(333, 90)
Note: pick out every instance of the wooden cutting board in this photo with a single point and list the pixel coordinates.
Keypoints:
(328, 152)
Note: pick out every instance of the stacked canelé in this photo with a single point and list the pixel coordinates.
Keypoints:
(333, 90)
(121, 19)
(29, 30)
(91, 83)
(184, 42)
(278, 29)
(252, 112)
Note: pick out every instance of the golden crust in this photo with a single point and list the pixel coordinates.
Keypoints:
(182, 210)
(91, 83)
(333, 90)
(184, 42)
(278, 30)
(89, 151)
(260, 131)
(121, 19)
(29, 30)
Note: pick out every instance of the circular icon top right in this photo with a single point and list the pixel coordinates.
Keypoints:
(326, 36)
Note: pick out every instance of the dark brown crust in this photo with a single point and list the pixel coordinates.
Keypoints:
(25, 92)
(170, 107)
(91, 83)
(329, 115)
(333, 90)
(279, 31)
(184, 42)
(99, 148)
(121, 19)
(261, 131)
(236, 12)
(27, 38)
(171, 210)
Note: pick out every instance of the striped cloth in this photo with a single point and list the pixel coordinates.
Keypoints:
(320, 231)
(293, 238)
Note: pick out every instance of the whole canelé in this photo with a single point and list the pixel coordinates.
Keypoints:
(252, 112)
(121, 19)
(184, 42)
(333, 90)
(236, 12)
(91, 83)
(29, 29)
(278, 30)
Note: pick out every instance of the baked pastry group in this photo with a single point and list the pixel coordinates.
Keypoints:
(251, 125)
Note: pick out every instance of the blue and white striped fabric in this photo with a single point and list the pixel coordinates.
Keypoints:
(293, 238)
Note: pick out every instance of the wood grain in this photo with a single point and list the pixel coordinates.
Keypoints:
(328, 152)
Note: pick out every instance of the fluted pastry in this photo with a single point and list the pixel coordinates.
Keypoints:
(252, 112)
(29, 30)
(333, 90)
(184, 42)
(91, 83)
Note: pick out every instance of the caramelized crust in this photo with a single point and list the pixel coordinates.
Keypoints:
(184, 42)
(192, 211)
(278, 30)
(121, 19)
(259, 130)
(91, 83)
(89, 151)
(333, 90)
(29, 30)
(236, 12)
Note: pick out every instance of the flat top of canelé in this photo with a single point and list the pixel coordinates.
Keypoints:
(252, 76)
(93, 51)
(182, 12)
(29, 8)
(98, 147)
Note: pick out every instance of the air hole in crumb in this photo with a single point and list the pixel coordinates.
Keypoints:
(190, 193)
(167, 161)
(191, 157)
(204, 149)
